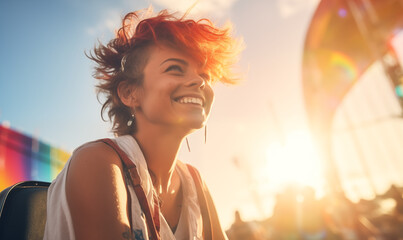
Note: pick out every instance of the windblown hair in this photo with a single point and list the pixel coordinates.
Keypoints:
(124, 57)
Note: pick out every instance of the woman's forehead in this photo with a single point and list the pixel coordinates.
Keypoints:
(162, 54)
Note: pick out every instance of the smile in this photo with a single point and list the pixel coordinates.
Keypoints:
(191, 100)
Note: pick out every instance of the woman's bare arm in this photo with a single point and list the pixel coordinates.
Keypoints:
(96, 194)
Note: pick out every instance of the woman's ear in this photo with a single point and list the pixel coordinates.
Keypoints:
(127, 94)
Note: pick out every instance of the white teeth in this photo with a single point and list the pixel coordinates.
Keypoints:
(193, 100)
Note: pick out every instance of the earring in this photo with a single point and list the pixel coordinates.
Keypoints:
(131, 121)
(187, 143)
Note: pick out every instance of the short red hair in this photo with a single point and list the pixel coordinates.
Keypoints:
(124, 57)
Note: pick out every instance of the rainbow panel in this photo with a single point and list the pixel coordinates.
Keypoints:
(3, 177)
(58, 159)
(25, 158)
(13, 165)
(43, 162)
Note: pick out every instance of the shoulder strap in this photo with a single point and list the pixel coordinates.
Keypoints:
(207, 235)
(153, 223)
(212, 229)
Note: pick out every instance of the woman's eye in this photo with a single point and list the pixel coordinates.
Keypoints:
(175, 68)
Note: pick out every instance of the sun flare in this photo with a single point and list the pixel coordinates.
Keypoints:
(295, 161)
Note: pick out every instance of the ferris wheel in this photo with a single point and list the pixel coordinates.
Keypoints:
(353, 89)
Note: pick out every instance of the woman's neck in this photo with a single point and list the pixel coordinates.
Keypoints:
(160, 152)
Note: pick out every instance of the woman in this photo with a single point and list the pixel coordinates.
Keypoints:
(157, 77)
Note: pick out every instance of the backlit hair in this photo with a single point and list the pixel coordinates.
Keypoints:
(125, 56)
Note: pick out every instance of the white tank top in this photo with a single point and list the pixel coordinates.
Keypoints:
(59, 225)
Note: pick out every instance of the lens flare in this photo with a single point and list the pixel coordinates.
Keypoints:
(345, 64)
(294, 162)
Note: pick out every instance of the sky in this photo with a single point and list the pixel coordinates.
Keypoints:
(47, 90)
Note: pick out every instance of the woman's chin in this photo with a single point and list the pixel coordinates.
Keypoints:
(196, 126)
(193, 126)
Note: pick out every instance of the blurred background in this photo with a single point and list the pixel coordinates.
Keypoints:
(307, 146)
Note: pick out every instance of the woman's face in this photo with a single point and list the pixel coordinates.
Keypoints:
(176, 92)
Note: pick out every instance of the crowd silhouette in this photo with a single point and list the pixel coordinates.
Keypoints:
(299, 215)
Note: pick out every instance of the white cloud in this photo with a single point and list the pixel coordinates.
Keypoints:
(288, 8)
(216, 8)
(111, 19)
(110, 23)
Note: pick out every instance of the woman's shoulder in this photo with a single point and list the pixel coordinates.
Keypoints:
(93, 159)
(95, 151)
(96, 189)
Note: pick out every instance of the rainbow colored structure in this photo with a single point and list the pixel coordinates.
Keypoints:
(25, 158)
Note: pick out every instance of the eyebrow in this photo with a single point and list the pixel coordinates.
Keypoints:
(176, 60)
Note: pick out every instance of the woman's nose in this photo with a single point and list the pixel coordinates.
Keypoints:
(196, 81)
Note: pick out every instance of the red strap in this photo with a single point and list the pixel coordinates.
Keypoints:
(207, 233)
(153, 222)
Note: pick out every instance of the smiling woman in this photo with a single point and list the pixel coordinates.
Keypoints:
(175, 91)
(157, 77)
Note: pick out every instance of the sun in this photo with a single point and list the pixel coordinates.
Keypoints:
(294, 161)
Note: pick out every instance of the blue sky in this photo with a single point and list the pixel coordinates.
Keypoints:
(46, 87)
(45, 77)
